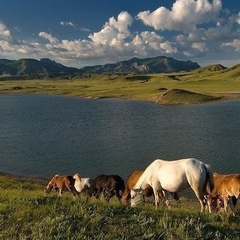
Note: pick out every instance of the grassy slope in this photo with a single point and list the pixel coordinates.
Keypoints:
(205, 81)
(25, 213)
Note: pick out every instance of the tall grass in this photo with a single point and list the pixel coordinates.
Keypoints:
(25, 213)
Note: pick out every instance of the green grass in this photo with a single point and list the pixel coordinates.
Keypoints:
(25, 213)
(222, 84)
(180, 96)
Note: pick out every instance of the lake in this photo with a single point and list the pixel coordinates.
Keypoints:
(44, 135)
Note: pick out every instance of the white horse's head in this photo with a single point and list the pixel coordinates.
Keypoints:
(77, 177)
(136, 196)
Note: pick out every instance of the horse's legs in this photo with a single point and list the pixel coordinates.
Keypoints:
(225, 200)
(118, 194)
(156, 195)
(74, 191)
(160, 194)
(199, 194)
(198, 187)
(202, 205)
(60, 192)
(233, 202)
(232, 205)
(164, 199)
(71, 189)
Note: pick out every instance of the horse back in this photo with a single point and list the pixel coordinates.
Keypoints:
(226, 185)
(62, 181)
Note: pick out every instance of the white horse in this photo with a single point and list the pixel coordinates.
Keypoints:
(174, 176)
(81, 184)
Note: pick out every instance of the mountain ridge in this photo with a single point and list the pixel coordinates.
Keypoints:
(160, 64)
(28, 67)
(45, 68)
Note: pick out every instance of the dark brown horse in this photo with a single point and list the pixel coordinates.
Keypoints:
(61, 183)
(109, 185)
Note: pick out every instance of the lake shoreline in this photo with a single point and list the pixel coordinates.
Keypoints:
(228, 96)
(159, 89)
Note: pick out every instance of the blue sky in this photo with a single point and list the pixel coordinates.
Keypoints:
(88, 32)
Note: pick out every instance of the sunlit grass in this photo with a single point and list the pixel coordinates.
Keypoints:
(25, 213)
(140, 87)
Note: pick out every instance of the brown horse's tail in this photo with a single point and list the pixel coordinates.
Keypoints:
(209, 182)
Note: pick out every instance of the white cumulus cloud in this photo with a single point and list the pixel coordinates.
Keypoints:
(234, 44)
(114, 31)
(48, 36)
(184, 16)
(4, 31)
(201, 47)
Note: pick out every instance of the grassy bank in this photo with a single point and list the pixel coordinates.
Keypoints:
(194, 87)
(25, 213)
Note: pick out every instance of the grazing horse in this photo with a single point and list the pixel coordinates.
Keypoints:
(81, 184)
(226, 187)
(61, 183)
(174, 176)
(131, 182)
(109, 185)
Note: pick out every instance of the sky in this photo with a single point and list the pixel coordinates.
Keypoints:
(80, 33)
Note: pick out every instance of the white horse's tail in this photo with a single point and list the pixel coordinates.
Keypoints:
(209, 182)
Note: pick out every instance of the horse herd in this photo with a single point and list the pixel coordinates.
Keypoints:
(160, 179)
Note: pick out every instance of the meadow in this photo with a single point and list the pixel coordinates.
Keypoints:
(25, 213)
(199, 86)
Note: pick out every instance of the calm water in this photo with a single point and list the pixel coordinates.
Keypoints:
(44, 135)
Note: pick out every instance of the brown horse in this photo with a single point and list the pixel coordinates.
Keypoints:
(226, 187)
(61, 183)
(130, 183)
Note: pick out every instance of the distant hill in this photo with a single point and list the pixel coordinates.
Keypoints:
(212, 68)
(46, 68)
(232, 72)
(159, 64)
(34, 68)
